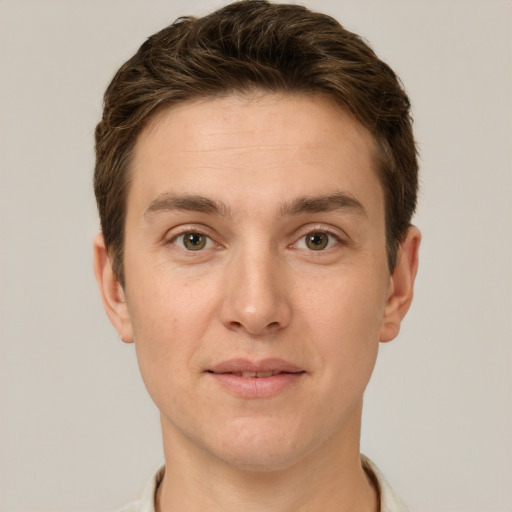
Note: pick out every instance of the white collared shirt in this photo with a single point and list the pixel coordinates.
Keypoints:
(389, 502)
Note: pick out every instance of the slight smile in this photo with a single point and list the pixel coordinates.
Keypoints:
(248, 379)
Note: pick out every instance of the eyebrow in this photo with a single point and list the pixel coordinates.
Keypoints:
(170, 202)
(324, 203)
(305, 204)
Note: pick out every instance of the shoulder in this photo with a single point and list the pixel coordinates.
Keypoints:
(131, 507)
(389, 501)
(147, 500)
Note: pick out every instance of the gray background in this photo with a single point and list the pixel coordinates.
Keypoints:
(77, 430)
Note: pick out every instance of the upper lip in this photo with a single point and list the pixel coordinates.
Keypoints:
(264, 365)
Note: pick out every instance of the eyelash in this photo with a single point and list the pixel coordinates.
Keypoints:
(333, 240)
(209, 241)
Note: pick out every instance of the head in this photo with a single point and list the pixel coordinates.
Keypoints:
(255, 46)
(257, 168)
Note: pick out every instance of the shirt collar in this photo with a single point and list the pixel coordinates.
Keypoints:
(389, 501)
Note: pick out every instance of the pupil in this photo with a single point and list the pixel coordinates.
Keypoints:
(194, 241)
(317, 241)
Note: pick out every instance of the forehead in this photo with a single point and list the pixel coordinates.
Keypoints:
(244, 114)
(276, 145)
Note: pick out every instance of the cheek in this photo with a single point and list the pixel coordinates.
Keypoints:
(167, 303)
(169, 319)
(345, 319)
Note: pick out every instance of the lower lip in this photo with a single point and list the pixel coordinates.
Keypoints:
(256, 387)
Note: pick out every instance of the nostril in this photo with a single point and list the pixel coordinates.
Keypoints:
(270, 327)
(254, 315)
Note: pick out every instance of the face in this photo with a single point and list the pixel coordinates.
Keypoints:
(257, 285)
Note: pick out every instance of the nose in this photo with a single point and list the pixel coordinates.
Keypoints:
(256, 298)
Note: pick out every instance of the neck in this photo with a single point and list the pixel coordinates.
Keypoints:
(329, 478)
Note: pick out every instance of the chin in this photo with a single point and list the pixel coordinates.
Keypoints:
(261, 449)
(263, 460)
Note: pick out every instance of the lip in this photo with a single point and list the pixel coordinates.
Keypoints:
(228, 375)
(245, 365)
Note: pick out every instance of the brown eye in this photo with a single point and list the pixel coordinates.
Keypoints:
(194, 241)
(317, 241)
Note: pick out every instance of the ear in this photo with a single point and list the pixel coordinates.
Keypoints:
(112, 293)
(401, 285)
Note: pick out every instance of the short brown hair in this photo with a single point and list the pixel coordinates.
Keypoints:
(253, 44)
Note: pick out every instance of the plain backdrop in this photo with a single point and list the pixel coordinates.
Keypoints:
(77, 430)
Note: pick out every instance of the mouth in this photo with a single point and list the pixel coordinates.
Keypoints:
(256, 375)
(255, 369)
(262, 379)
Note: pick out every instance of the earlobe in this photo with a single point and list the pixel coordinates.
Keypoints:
(401, 287)
(111, 291)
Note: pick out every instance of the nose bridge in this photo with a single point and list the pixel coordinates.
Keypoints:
(255, 298)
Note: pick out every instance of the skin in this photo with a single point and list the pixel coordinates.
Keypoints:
(257, 290)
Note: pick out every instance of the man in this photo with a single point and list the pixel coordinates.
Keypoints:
(256, 176)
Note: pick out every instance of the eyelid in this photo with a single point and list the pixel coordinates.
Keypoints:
(172, 235)
(208, 242)
(340, 237)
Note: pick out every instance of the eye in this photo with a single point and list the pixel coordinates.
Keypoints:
(317, 241)
(193, 241)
